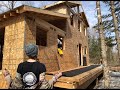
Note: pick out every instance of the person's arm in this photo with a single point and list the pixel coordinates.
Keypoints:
(56, 76)
(42, 74)
(19, 70)
(42, 77)
(17, 81)
(7, 76)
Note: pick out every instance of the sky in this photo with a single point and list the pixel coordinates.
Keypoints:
(91, 13)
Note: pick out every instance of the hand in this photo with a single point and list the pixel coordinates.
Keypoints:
(5, 72)
(7, 76)
(58, 74)
(42, 77)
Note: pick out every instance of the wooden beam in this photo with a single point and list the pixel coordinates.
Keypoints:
(4, 16)
(64, 85)
(62, 79)
(17, 11)
(0, 18)
(13, 13)
(78, 10)
(20, 9)
(81, 81)
(78, 16)
(66, 70)
(87, 77)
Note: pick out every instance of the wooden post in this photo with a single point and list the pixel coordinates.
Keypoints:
(78, 10)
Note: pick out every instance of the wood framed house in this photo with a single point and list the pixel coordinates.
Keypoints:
(44, 27)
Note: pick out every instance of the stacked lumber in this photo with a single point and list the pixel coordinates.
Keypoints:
(80, 81)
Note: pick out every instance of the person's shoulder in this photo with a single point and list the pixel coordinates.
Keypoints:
(40, 63)
(22, 63)
(41, 66)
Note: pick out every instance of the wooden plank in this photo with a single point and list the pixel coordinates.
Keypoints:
(89, 81)
(80, 81)
(64, 85)
(78, 10)
(87, 77)
(63, 82)
(65, 70)
(17, 11)
(4, 16)
(62, 79)
(78, 16)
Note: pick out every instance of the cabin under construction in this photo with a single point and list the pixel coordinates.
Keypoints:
(63, 22)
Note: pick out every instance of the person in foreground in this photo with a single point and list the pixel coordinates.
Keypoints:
(31, 73)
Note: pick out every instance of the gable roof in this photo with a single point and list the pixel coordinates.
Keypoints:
(85, 19)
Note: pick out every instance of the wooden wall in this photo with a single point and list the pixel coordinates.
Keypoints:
(13, 52)
(23, 31)
(48, 55)
(60, 9)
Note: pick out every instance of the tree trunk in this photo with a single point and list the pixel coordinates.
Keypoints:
(109, 55)
(12, 5)
(103, 47)
(116, 28)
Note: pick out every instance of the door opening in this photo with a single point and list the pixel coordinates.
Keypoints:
(2, 32)
(80, 54)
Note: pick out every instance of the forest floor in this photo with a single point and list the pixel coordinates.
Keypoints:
(114, 81)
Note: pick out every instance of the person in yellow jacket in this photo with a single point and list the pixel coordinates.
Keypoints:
(60, 51)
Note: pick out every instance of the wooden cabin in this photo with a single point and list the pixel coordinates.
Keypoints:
(44, 27)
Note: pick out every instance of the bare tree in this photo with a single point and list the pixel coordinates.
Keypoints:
(8, 4)
(116, 28)
(103, 47)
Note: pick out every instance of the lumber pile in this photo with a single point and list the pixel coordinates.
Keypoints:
(80, 81)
